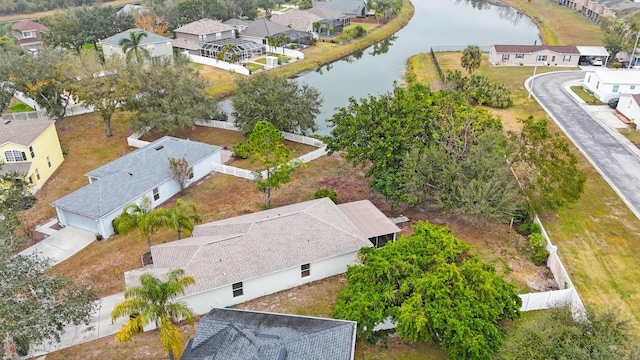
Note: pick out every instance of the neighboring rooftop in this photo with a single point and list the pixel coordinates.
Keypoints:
(301, 20)
(326, 13)
(230, 334)
(528, 49)
(29, 25)
(124, 179)
(620, 77)
(262, 28)
(203, 27)
(272, 240)
(347, 7)
(592, 50)
(366, 216)
(22, 132)
(236, 22)
(151, 38)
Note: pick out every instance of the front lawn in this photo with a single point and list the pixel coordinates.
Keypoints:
(253, 67)
(588, 98)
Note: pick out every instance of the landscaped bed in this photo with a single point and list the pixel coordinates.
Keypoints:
(588, 98)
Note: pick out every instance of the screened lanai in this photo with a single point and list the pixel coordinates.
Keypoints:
(297, 37)
(244, 49)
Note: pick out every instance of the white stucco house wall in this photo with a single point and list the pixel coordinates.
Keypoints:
(609, 84)
(629, 106)
(531, 55)
(249, 256)
(128, 179)
(160, 48)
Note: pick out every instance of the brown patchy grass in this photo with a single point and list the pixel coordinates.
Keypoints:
(632, 135)
(558, 24)
(37, 15)
(597, 236)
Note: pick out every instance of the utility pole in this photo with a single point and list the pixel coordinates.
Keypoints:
(535, 67)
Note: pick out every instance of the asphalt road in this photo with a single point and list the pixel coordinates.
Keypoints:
(618, 164)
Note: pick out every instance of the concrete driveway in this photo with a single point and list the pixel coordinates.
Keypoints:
(617, 160)
(62, 244)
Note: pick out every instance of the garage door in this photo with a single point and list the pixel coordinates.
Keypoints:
(81, 222)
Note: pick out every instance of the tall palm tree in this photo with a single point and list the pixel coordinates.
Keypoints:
(152, 301)
(178, 217)
(135, 216)
(282, 41)
(228, 53)
(132, 48)
(273, 43)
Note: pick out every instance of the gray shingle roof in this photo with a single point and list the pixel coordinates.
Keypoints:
(301, 20)
(22, 132)
(262, 28)
(126, 178)
(347, 7)
(229, 334)
(236, 22)
(203, 27)
(151, 38)
(270, 240)
(326, 13)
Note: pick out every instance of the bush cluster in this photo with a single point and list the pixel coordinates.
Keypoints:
(240, 151)
(480, 90)
(539, 253)
(528, 227)
(324, 192)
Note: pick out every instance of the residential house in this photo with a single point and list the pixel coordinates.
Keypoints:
(133, 10)
(333, 23)
(259, 30)
(237, 24)
(159, 47)
(29, 34)
(31, 149)
(194, 35)
(609, 84)
(249, 256)
(231, 334)
(129, 179)
(629, 107)
(351, 8)
(596, 10)
(530, 55)
(300, 20)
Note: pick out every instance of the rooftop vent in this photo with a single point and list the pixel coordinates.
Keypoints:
(267, 336)
(159, 147)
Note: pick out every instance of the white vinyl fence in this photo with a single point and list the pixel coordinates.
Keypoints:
(239, 69)
(76, 109)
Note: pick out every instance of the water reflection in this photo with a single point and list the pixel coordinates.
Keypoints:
(505, 11)
(383, 46)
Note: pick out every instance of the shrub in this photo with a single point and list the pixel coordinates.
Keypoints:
(539, 253)
(240, 151)
(528, 227)
(616, 65)
(324, 192)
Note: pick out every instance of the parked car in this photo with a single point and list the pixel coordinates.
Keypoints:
(613, 103)
(583, 61)
(596, 61)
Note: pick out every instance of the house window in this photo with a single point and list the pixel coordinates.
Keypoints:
(505, 57)
(519, 56)
(589, 79)
(37, 174)
(156, 194)
(218, 36)
(28, 34)
(151, 47)
(237, 289)
(615, 88)
(157, 59)
(542, 58)
(632, 87)
(566, 58)
(305, 270)
(14, 156)
(33, 154)
(598, 85)
(48, 161)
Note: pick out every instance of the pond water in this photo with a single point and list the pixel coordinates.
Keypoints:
(441, 24)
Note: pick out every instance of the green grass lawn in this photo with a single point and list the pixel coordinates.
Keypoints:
(17, 106)
(253, 66)
(585, 96)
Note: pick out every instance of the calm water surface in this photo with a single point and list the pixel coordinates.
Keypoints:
(435, 23)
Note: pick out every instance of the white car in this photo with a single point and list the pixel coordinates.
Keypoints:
(596, 62)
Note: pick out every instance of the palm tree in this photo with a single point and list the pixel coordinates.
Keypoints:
(178, 218)
(471, 58)
(152, 301)
(273, 42)
(283, 40)
(132, 48)
(228, 53)
(135, 216)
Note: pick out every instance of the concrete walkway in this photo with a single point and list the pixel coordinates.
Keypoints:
(60, 244)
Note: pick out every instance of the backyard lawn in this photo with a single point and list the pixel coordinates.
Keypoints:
(596, 237)
(16, 106)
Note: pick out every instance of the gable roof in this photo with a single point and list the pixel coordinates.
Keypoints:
(151, 38)
(130, 176)
(230, 334)
(203, 27)
(620, 77)
(298, 19)
(236, 22)
(26, 25)
(218, 252)
(22, 132)
(326, 13)
(262, 28)
(347, 7)
(529, 49)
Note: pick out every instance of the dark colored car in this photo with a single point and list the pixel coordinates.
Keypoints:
(613, 103)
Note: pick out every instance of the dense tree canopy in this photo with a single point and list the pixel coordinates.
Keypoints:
(289, 106)
(35, 304)
(554, 334)
(436, 291)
